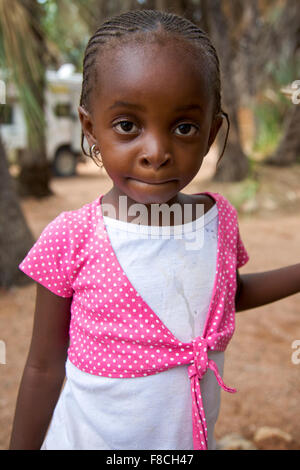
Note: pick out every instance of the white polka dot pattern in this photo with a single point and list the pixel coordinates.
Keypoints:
(113, 332)
(48, 261)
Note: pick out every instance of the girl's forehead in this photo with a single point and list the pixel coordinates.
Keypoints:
(142, 71)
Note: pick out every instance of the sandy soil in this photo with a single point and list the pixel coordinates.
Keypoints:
(259, 357)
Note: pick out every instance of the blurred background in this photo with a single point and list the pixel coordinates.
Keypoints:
(43, 172)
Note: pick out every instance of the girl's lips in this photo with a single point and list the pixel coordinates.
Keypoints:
(152, 182)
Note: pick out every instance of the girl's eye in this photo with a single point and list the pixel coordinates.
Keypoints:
(126, 126)
(186, 128)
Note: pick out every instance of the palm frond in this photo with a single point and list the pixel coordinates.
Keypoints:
(20, 55)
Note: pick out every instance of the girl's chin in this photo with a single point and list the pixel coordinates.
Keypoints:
(146, 193)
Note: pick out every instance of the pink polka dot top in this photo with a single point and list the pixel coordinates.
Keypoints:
(113, 332)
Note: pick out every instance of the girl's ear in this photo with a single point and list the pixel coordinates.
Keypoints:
(215, 127)
(87, 125)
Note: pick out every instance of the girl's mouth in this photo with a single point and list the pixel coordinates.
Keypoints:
(154, 182)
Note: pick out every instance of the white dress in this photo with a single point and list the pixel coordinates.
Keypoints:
(154, 411)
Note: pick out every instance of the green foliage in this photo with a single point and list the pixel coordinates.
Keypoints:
(272, 108)
(66, 30)
(282, 71)
(269, 127)
(242, 192)
(20, 61)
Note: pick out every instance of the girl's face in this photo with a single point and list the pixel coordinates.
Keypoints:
(152, 118)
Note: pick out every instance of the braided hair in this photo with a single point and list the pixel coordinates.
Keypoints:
(138, 24)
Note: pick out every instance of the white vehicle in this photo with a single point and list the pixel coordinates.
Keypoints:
(63, 128)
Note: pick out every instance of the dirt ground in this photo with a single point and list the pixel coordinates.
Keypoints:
(258, 359)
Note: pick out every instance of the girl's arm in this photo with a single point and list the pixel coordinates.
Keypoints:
(263, 288)
(44, 370)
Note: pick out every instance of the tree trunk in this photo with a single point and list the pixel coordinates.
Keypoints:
(161, 5)
(35, 174)
(15, 237)
(234, 164)
(105, 10)
(35, 170)
(288, 150)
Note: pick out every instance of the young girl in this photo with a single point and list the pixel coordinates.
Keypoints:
(135, 314)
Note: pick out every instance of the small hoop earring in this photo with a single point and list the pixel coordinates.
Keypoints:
(95, 152)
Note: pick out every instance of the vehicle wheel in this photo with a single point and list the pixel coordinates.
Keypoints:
(64, 163)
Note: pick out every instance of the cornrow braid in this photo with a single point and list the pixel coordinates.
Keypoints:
(140, 22)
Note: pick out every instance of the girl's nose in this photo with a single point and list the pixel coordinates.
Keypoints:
(155, 155)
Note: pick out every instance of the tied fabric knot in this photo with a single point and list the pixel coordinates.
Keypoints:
(197, 369)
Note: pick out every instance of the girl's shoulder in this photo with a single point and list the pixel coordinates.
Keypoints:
(210, 199)
(68, 228)
(53, 257)
(224, 203)
(70, 224)
(85, 213)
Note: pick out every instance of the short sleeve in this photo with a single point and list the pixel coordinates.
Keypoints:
(242, 255)
(47, 262)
